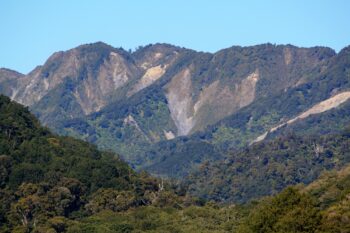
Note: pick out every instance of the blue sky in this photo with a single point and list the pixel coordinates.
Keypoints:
(32, 30)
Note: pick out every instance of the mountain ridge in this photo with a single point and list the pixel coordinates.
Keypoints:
(167, 90)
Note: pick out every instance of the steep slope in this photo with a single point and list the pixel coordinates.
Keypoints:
(28, 145)
(322, 206)
(326, 105)
(44, 176)
(330, 122)
(267, 167)
(9, 80)
(88, 63)
(247, 124)
(194, 91)
(132, 103)
(57, 184)
(86, 77)
(217, 84)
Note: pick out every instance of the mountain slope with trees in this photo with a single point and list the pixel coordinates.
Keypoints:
(49, 179)
(241, 128)
(131, 101)
(50, 183)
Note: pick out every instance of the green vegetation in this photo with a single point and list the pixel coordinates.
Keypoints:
(44, 176)
(322, 206)
(240, 129)
(125, 129)
(269, 111)
(268, 167)
(51, 183)
(139, 145)
(289, 211)
(59, 184)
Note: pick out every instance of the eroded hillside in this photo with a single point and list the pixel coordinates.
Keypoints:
(92, 91)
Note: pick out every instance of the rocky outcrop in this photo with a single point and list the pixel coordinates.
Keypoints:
(198, 88)
(9, 81)
(213, 104)
(321, 107)
(7, 74)
(97, 71)
(178, 93)
(151, 75)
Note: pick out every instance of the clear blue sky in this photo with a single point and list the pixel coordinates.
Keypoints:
(32, 30)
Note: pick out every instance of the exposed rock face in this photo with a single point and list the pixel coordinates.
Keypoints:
(97, 70)
(246, 89)
(321, 107)
(151, 75)
(7, 74)
(94, 92)
(154, 62)
(287, 56)
(199, 88)
(214, 101)
(132, 102)
(9, 80)
(180, 102)
(169, 135)
(44, 78)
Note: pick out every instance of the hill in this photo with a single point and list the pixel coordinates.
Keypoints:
(45, 176)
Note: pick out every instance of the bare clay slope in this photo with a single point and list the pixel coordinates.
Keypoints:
(212, 87)
(83, 80)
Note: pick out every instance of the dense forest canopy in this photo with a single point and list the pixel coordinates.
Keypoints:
(50, 183)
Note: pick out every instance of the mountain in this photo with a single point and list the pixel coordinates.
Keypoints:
(8, 81)
(43, 175)
(157, 106)
(50, 183)
(317, 106)
(83, 80)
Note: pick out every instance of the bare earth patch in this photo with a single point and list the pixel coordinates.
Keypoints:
(321, 107)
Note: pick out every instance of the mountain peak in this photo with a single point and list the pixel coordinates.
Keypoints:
(9, 72)
(345, 50)
(96, 46)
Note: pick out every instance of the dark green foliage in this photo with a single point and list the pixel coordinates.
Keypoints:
(127, 126)
(323, 206)
(331, 122)
(60, 184)
(267, 167)
(44, 175)
(289, 211)
(174, 159)
(255, 119)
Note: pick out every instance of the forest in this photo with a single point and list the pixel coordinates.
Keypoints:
(51, 183)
